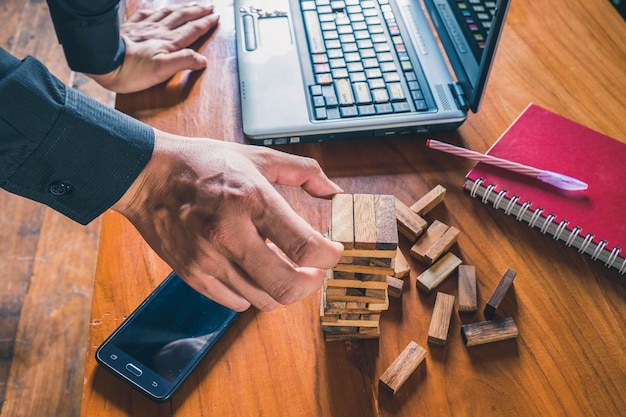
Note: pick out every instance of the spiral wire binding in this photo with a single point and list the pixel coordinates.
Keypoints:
(561, 229)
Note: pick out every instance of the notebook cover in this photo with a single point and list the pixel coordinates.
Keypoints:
(545, 140)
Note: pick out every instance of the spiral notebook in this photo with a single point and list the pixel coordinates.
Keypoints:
(591, 221)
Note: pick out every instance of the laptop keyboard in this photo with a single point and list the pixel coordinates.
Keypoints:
(475, 17)
(360, 62)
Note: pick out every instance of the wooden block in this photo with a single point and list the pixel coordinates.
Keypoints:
(386, 225)
(401, 266)
(370, 253)
(342, 220)
(379, 306)
(410, 224)
(358, 276)
(489, 331)
(349, 283)
(499, 292)
(351, 323)
(467, 289)
(442, 244)
(429, 201)
(395, 286)
(364, 221)
(439, 271)
(434, 232)
(357, 260)
(440, 320)
(402, 367)
(364, 269)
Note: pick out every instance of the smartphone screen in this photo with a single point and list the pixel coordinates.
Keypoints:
(161, 342)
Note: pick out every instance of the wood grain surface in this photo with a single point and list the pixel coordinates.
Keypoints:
(569, 357)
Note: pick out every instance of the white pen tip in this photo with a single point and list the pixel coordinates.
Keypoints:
(561, 181)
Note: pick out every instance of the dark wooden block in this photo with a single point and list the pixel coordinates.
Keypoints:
(498, 294)
(488, 331)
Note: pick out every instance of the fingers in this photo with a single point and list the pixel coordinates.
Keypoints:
(185, 59)
(285, 169)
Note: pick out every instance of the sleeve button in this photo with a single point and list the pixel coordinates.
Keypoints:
(59, 188)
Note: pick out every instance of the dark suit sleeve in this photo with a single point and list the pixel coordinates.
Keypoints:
(89, 31)
(62, 148)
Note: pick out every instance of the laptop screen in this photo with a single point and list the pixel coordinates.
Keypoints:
(469, 31)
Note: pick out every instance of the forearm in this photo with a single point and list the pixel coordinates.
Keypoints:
(61, 148)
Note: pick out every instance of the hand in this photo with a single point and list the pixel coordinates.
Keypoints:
(207, 207)
(157, 46)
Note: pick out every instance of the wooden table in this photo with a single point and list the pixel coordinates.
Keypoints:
(566, 55)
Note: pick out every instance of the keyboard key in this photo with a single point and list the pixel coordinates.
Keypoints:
(320, 113)
(362, 93)
(344, 92)
(401, 107)
(312, 24)
(395, 92)
(384, 108)
(367, 110)
(349, 111)
(380, 95)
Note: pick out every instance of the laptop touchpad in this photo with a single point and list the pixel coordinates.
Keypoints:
(274, 33)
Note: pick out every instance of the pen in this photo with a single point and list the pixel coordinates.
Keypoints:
(561, 181)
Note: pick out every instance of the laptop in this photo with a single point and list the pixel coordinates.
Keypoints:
(321, 70)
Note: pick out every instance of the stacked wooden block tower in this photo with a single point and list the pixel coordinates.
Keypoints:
(355, 291)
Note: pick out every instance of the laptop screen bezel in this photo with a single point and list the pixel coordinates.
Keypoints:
(473, 89)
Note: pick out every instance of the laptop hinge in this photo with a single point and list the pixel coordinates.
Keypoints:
(459, 96)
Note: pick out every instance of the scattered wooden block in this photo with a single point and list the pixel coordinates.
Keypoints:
(410, 224)
(489, 331)
(342, 220)
(499, 292)
(401, 267)
(429, 201)
(395, 286)
(364, 221)
(438, 272)
(386, 225)
(467, 289)
(428, 239)
(442, 244)
(440, 320)
(402, 367)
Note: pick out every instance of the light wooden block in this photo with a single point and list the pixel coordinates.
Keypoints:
(499, 292)
(395, 286)
(370, 253)
(386, 224)
(442, 244)
(350, 323)
(402, 367)
(434, 232)
(410, 224)
(342, 220)
(438, 272)
(364, 221)
(440, 320)
(429, 201)
(401, 267)
(489, 331)
(351, 283)
(467, 289)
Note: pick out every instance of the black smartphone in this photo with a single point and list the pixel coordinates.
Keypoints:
(163, 340)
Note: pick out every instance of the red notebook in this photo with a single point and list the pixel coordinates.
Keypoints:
(592, 220)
